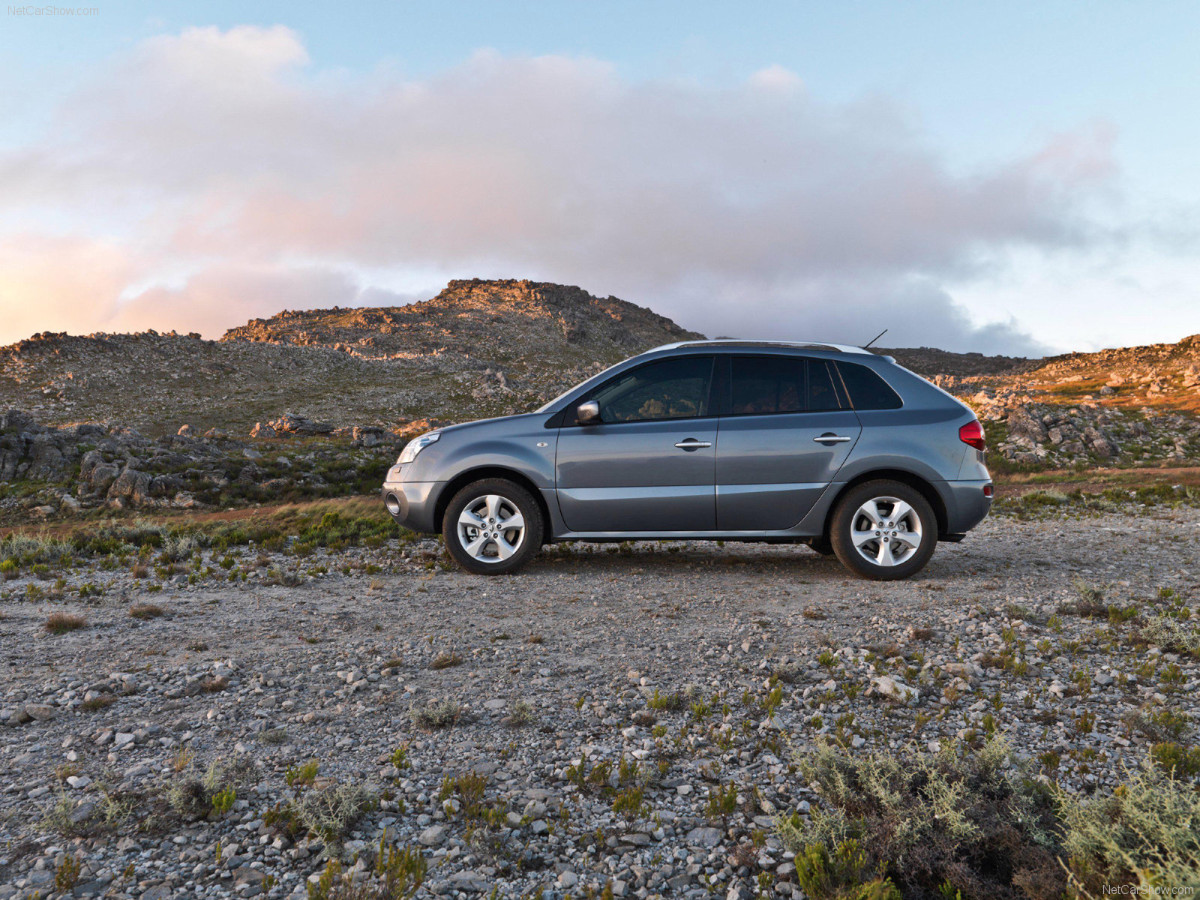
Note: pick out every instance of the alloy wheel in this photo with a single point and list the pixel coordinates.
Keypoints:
(886, 531)
(491, 528)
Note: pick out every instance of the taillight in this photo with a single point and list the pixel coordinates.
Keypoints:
(989, 491)
(972, 433)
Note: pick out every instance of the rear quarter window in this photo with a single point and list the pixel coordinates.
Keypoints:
(867, 389)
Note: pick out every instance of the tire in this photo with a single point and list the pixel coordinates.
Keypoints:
(822, 545)
(870, 552)
(475, 542)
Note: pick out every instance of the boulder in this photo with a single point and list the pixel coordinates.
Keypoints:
(131, 487)
(894, 689)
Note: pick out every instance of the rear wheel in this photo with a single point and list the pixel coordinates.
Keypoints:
(884, 530)
(492, 527)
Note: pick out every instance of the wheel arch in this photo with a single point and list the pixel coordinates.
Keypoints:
(916, 482)
(461, 480)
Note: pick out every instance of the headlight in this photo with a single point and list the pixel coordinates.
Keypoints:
(415, 446)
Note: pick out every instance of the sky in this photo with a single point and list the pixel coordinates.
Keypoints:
(1004, 178)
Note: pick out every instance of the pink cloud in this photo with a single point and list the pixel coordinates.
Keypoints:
(222, 153)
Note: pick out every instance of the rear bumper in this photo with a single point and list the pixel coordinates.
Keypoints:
(966, 505)
(412, 504)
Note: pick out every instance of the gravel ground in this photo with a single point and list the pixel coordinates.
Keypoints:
(631, 712)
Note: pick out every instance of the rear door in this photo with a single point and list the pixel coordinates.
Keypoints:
(782, 438)
(648, 465)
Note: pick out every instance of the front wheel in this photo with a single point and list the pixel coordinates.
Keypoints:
(884, 530)
(492, 527)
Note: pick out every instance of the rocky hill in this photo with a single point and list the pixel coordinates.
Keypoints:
(484, 348)
(500, 321)
(479, 348)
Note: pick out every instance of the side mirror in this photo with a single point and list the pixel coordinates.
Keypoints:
(588, 413)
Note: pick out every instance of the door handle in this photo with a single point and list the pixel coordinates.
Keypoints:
(693, 444)
(830, 438)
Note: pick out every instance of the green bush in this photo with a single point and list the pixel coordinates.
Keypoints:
(1177, 760)
(212, 794)
(1147, 834)
(925, 825)
(841, 874)
(1171, 635)
(330, 812)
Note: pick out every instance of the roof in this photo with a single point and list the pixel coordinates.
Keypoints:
(735, 342)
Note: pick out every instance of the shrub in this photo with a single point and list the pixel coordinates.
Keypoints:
(212, 794)
(303, 775)
(631, 803)
(667, 702)
(722, 802)
(66, 875)
(842, 874)
(398, 874)
(1146, 834)
(145, 611)
(61, 623)
(330, 812)
(469, 789)
(1171, 635)
(436, 714)
(445, 660)
(521, 713)
(926, 826)
(1180, 761)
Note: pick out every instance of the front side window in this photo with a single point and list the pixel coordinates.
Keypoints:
(668, 389)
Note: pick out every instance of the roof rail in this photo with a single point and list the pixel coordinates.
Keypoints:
(737, 342)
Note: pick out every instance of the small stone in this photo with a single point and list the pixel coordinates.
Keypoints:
(433, 835)
(704, 837)
(39, 711)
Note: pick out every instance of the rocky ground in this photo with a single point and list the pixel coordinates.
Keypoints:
(51, 472)
(620, 718)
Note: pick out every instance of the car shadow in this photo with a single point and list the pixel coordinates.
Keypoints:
(709, 558)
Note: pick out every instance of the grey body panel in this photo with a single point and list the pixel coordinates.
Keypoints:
(509, 443)
(745, 487)
(771, 470)
(626, 475)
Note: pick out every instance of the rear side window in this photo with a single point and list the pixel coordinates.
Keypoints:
(766, 384)
(867, 389)
(762, 385)
(821, 394)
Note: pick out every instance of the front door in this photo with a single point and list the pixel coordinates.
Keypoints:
(647, 465)
(781, 444)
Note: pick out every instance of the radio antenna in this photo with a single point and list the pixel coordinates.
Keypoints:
(874, 339)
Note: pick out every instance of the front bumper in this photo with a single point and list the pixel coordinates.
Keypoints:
(412, 503)
(966, 504)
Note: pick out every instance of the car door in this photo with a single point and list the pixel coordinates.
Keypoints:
(783, 436)
(647, 465)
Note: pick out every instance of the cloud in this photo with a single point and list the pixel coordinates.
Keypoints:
(222, 153)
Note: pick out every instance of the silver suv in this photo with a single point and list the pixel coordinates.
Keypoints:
(821, 444)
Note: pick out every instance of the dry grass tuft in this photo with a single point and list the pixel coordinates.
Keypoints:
(61, 623)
